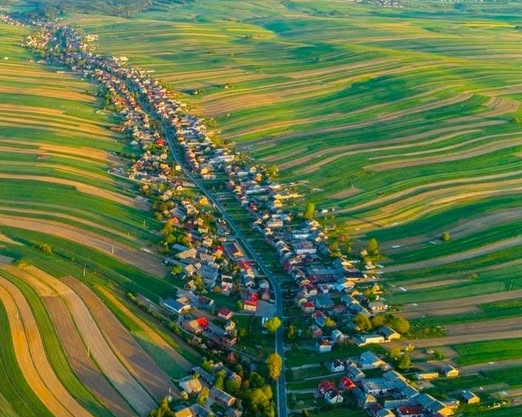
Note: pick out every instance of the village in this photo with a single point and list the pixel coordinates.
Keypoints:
(336, 297)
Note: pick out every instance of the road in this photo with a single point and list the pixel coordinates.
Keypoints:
(282, 409)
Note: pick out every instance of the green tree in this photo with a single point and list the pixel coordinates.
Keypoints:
(274, 365)
(220, 379)
(404, 362)
(309, 210)
(395, 352)
(400, 325)
(362, 322)
(233, 386)
(272, 324)
(378, 320)
(203, 396)
(291, 332)
(329, 322)
(445, 236)
(198, 282)
(373, 247)
(256, 380)
(177, 269)
(46, 248)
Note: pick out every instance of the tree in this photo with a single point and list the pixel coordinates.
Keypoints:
(400, 325)
(378, 320)
(256, 380)
(291, 332)
(362, 322)
(395, 352)
(309, 210)
(274, 364)
(220, 379)
(198, 282)
(203, 396)
(46, 248)
(404, 362)
(233, 386)
(445, 236)
(176, 269)
(473, 277)
(272, 324)
(329, 322)
(373, 247)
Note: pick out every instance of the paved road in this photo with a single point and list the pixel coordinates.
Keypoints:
(282, 410)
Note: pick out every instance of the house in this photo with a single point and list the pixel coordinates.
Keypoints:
(449, 371)
(315, 331)
(426, 376)
(324, 386)
(338, 336)
(191, 385)
(185, 412)
(346, 384)
(335, 365)
(377, 307)
(363, 400)
(367, 339)
(308, 307)
(233, 412)
(333, 397)
(369, 360)
(205, 377)
(225, 314)
(324, 344)
(319, 317)
(175, 306)
(250, 304)
(221, 397)
(200, 411)
(469, 398)
(377, 410)
(354, 372)
(323, 301)
(388, 333)
(411, 411)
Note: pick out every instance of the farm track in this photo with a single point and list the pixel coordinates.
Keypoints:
(99, 344)
(31, 356)
(76, 351)
(140, 259)
(126, 348)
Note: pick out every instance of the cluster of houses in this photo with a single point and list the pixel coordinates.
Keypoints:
(200, 379)
(204, 251)
(388, 395)
(327, 289)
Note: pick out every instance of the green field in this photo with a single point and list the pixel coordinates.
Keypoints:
(400, 119)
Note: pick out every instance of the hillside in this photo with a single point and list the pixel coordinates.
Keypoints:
(403, 120)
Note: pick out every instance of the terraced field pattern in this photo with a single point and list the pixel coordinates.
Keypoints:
(65, 352)
(405, 121)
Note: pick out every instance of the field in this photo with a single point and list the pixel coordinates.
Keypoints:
(403, 123)
(397, 119)
(59, 358)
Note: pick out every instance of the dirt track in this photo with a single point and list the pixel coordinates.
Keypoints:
(142, 260)
(74, 348)
(31, 356)
(98, 346)
(126, 348)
